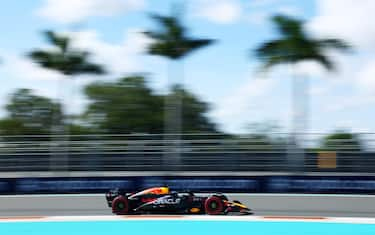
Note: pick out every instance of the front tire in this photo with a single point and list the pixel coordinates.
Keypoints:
(120, 205)
(214, 205)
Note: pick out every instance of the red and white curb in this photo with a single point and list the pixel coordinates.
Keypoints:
(188, 218)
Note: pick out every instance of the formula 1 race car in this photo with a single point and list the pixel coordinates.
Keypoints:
(160, 200)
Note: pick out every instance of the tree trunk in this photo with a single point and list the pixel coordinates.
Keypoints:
(173, 118)
(59, 155)
(296, 153)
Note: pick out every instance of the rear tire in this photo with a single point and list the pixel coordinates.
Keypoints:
(214, 205)
(120, 205)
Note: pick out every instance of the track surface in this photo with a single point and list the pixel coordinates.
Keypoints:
(262, 204)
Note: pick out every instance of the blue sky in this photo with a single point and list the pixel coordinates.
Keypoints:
(223, 74)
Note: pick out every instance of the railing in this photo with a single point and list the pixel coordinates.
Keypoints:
(194, 152)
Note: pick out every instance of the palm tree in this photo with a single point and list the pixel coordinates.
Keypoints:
(171, 40)
(293, 46)
(65, 60)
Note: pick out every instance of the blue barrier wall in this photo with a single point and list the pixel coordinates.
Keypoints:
(240, 184)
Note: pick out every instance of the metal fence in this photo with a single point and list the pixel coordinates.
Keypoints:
(193, 152)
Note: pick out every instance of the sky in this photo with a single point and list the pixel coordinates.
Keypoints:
(223, 74)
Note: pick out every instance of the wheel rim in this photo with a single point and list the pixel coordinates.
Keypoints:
(121, 205)
(214, 206)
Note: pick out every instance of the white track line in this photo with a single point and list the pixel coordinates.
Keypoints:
(192, 218)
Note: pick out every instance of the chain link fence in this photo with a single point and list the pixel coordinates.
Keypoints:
(198, 152)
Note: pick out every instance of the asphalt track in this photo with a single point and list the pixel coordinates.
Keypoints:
(261, 204)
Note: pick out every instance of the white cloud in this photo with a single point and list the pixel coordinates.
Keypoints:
(366, 77)
(346, 19)
(237, 108)
(259, 12)
(218, 11)
(289, 10)
(342, 104)
(25, 74)
(118, 58)
(73, 11)
(22, 67)
(309, 68)
(353, 88)
(258, 17)
(318, 91)
(262, 3)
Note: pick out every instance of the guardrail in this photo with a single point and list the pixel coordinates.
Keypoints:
(231, 184)
(190, 152)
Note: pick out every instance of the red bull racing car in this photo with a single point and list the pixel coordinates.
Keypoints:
(160, 200)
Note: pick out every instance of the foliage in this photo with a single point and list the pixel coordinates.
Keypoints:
(130, 106)
(63, 58)
(126, 106)
(171, 39)
(14, 127)
(33, 110)
(30, 114)
(263, 136)
(342, 141)
(194, 112)
(295, 45)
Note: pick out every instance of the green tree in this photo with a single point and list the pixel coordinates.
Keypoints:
(64, 59)
(295, 45)
(264, 136)
(194, 112)
(126, 106)
(130, 106)
(30, 114)
(11, 127)
(347, 147)
(171, 40)
(342, 141)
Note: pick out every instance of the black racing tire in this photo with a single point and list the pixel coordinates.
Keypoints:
(120, 205)
(214, 205)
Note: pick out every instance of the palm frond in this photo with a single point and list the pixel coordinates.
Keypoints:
(191, 45)
(65, 60)
(171, 39)
(294, 45)
(333, 44)
(325, 61)
(155, 35)
(198, 43)
(287, 26)
(51, 60)
(269, 49)
(59, 41)
(163, 49)
(91, 68)
(273, 61)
